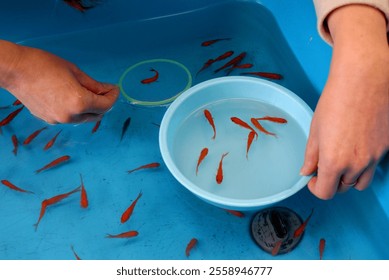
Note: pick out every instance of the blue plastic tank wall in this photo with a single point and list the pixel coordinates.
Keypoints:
(104, 42)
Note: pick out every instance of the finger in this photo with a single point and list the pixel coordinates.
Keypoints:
(349, 180)
(87, 117)
(91, 84)
(311, 157)
(365, 179)
(325, 184)
(100, 104)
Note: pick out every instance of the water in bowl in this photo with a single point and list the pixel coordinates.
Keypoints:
(272, 164)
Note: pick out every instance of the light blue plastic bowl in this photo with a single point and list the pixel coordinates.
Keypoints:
(270, 171)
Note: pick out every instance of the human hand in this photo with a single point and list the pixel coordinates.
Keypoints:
(350, 128)
(54, 89)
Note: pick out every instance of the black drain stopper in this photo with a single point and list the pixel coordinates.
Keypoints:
(275, 226)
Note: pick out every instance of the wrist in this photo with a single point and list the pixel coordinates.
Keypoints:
(358, 24)
(9, 59)
(360, 51)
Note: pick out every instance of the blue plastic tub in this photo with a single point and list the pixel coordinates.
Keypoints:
(104, 42)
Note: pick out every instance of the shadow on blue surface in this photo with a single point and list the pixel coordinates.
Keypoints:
(167, 216)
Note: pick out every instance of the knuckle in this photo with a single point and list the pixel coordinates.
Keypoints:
(77, 104)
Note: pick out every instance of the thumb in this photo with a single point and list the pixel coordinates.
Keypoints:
(91, 84)
(311, 158)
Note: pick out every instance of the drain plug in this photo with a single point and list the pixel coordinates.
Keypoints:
(273, 226)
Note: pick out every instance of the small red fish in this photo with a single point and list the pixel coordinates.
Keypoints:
(243, 66)
(203, 154)
(96, 127)
(51, 201)
(151, 79)
(84, 198)
(190, 246)
(235, 213)
(256, 123)
(78, 5)
(322, 244)
(42, 213)
(10, 117)
(207, 64)
(219, 175)
(250, 139)
(232, 62)
(242, 124)
(272, 119)
(276, 248)
(17, 102)
(15, 143)
(74, 253)
(240, 66)
(149, 165)
(268, 75)
(33, 135)
(13, 187)
(300, 230)
(128, 234)
(209, 118)
(211, 61)
(54, 163)
(127, 214)
(223, 56)
(211, 42)
(52, 141)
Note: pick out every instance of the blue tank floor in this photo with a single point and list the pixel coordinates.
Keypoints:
(167, 216)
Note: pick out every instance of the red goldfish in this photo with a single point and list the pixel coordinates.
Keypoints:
(272, 119)
(52, 141)
(150, 165)
(190, 246)
(75, 254)
(151, 79)
(235, 213)
(209, 118)
(203, 154)
(128, 234)
(33, 135)
(54, 163)
(300, 230)
(10, 117)
(232, 62)
(268, 75)
(239, 66)
(211, 42)
(276, 248)
(127, 214)
(78, 5)
(250, 139)
(96, 126)
(13, 187)
(210, 61)
(51, 201)
(242, 124)
(256, 123)
(84, 198)
(322, 244)
(219, 175)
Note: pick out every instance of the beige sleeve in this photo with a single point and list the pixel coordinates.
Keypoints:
(325, 7)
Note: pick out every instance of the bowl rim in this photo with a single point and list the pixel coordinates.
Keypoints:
(231, 203)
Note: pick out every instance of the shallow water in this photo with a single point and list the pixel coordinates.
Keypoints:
(167, 216)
